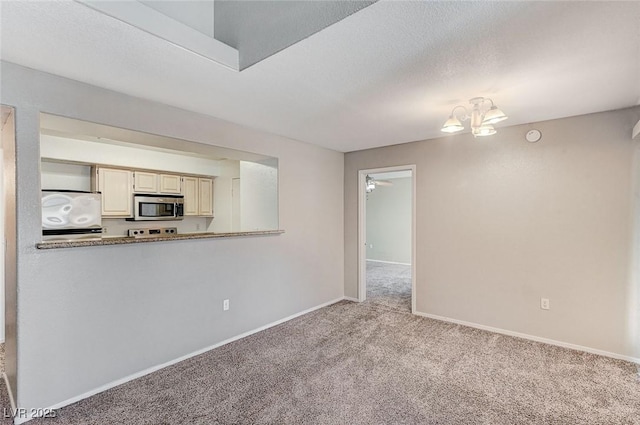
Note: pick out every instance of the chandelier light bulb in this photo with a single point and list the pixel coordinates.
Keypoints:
(485, 130)
(494, 115)
(452, 125)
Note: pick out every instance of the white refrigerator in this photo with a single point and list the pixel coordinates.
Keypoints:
(71, 214)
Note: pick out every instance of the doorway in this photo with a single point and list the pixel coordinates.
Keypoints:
(386, 237)
(7, 242)
(6, 133)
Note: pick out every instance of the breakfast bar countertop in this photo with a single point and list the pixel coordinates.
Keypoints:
(123, 240)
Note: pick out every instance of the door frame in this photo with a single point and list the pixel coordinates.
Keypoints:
(362, 229)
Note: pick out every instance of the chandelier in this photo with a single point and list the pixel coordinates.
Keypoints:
(482, 117)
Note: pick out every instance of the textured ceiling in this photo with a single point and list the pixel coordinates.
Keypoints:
(388, 74)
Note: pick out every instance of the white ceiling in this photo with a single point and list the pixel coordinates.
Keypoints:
(387, 74)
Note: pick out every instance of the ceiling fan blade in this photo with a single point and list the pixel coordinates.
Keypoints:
(383, 183)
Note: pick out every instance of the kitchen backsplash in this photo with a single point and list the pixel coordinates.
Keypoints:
(112, 227)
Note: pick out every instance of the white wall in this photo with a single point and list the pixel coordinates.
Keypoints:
(89, 316)
(389, 222)
(66, 149)
(259, 195)
(222, 197)
(502, 222)
(59, 176)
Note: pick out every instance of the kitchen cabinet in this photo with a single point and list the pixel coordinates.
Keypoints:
(205, 203)
(116, 187)
(198, 196)
(170, 184)
(190, 192)
(144, 182)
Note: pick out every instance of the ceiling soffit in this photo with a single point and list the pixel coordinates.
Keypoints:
(259, 29)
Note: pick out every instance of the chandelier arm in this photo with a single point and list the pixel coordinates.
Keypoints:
(463, 117)
(490, 100)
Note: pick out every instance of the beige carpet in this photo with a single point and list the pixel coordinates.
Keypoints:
(389, 285)
(5, 404)
(355, 363)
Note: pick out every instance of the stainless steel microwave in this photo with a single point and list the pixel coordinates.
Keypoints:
(157, 207)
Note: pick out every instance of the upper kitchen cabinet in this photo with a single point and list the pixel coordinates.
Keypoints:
(198, 196)
(116, 187)
(147, 182)
(144, 182)
(190, 192)
(205, 203)
(170, 184)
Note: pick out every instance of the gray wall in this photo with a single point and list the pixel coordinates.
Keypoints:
(389, 222)
(502, 222)
(89, 316)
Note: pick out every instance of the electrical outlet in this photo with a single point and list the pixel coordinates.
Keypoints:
(198, 226)
(544, 303)
(225, 305)
(104, 230)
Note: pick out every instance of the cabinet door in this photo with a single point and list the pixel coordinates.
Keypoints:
(144, 182)
(206, 197)
(170, 184)
(117, 192)
(190, 192)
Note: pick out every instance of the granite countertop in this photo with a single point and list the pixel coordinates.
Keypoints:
(129, 240)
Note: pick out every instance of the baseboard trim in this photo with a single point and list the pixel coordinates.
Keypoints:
(355, 300)
(388, 262)
(532, 338)
(174, 361)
